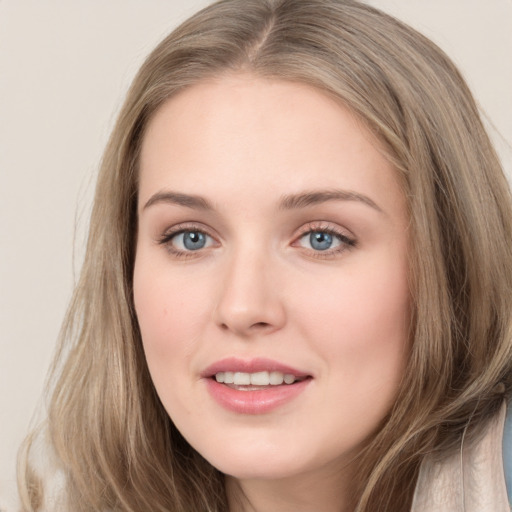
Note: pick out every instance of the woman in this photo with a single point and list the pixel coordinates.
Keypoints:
(297, 287)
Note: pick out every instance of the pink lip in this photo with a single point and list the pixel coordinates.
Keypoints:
(257, 401)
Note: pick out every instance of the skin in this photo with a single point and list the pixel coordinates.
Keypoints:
(258, 288)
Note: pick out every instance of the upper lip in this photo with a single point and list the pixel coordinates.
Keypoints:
(260, 364)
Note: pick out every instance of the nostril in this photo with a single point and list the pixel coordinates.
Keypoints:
(260, 325)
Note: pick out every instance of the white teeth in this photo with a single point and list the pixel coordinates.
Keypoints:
(242, 379)
(255, 379)
(289, 379)
(260, 379)
(276, 378)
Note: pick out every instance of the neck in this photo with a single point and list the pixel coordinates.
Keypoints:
(327, 492)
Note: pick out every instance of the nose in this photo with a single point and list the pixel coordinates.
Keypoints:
(250, 299)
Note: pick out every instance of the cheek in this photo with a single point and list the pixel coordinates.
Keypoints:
(361, 324)
(168, 310)
(169, 314)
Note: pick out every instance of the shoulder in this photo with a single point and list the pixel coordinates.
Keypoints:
(478, 474)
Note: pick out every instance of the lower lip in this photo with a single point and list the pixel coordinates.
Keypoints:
(257, 401)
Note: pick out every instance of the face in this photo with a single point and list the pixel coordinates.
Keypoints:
(270, 279)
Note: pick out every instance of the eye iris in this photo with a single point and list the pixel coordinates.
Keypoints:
(320, 240)
(193, 240)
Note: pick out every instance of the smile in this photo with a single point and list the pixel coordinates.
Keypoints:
(255, 386)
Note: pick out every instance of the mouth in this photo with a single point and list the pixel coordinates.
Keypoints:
(255, 386)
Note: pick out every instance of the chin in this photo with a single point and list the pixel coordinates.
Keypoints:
(263, 465)
(241, 471)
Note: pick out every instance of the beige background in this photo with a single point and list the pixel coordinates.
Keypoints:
(64, 67)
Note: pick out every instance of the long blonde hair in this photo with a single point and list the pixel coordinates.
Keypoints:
(114, 443)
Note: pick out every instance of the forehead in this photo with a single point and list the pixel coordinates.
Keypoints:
(247, 101)
(241, 132)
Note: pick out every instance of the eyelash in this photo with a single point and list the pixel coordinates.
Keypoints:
(167, 237)
(346, 242)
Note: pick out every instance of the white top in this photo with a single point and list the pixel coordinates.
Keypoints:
(472, 480)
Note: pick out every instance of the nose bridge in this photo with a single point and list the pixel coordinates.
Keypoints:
(249, 296)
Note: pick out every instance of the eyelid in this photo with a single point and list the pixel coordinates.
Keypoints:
(347, 239)
(167, 236)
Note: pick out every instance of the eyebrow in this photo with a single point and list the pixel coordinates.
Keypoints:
(288, 202)
(177, 198)
(302, 200)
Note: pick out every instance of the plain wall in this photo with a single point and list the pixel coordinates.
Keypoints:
(64, 68)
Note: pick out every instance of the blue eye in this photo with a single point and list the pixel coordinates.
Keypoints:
(320, 241)
(191, 240)
(323, 240)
